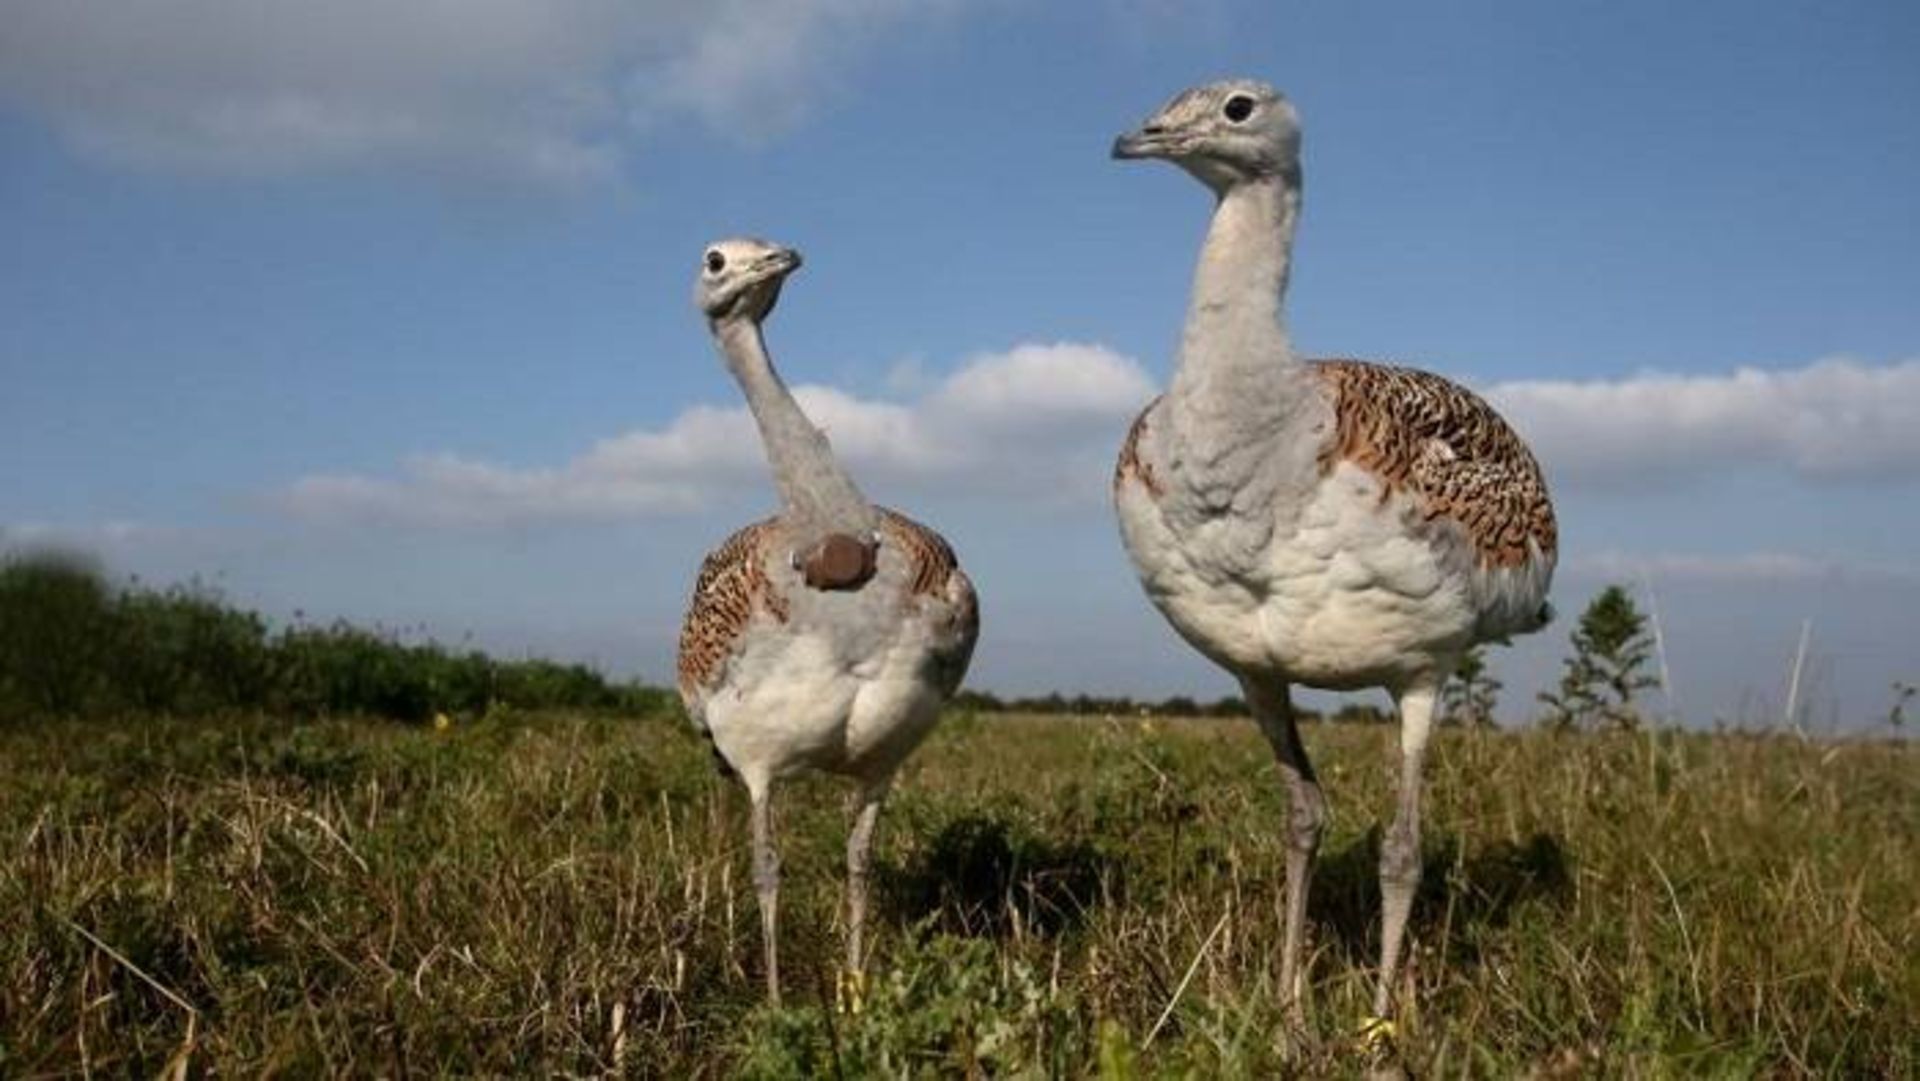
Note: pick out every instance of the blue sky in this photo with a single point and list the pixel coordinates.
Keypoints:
(383, 312)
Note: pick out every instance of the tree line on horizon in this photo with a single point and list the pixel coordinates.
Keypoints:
(72, 645)
(1599, 686)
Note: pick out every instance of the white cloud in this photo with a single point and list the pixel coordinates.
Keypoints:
(745, 59)
(548, 90)
(1043, 421)
(1037, 422)
(1833, 418)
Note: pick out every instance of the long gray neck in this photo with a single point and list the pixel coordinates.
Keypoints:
(816, 494)
(1238, 387)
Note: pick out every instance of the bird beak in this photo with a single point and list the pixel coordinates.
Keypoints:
(1129, 146)
(1148, 142)
(784, 261)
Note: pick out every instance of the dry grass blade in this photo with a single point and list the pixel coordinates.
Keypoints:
(121, 959)
(1192, 967)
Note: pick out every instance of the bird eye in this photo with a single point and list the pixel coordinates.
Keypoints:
(1238, 108)
(716, 262)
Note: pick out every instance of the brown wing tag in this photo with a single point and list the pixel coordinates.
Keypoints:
(838, 562)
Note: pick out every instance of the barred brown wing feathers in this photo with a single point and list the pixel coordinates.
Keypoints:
(935, 574)
(1438, 441)
(1130, 464)
(732, 585)
(928, 554)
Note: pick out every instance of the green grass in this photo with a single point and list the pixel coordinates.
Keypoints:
(542, 893)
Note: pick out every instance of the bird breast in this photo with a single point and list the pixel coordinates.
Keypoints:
(1352, 590)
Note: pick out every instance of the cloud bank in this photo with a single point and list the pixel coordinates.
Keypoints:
(1034, 423)
(1834, 418)
(546, 90)
(1042, 422)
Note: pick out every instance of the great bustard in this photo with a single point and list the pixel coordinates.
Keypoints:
(827, 636)
(1335, 524)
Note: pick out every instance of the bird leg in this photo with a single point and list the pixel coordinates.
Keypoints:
(859, 860)
(1400, 850)
(766, 883)
(1306, 820)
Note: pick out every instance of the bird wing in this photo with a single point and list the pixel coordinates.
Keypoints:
(935, 574)
(927, 552)
(732, 586)
(1440, 442)
(1130, 466)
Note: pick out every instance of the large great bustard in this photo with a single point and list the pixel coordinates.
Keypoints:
(827, 636)
(1336, 524)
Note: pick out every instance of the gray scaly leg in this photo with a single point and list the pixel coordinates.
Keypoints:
(1306, 821)
(766, 883)
(859, 861)
(1400, 851)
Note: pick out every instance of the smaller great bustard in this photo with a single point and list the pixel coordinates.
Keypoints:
(827, 636)
(1336, 524)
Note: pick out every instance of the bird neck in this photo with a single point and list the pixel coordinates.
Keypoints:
(1238, 383)
(1242, 273)
(817, 496)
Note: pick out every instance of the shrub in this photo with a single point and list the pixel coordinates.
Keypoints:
(54, 618)
(72, 646)
(1611, 649)
(182, 651)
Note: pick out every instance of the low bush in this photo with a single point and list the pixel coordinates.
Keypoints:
(71, 645)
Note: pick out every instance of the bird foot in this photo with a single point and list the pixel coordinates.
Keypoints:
(1294, 1014)
(1377, 1033)
(850, 992)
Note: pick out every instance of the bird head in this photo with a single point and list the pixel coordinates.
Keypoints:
(1225, 133)
(740, 278)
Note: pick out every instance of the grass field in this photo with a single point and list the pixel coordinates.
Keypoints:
(545, 894)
